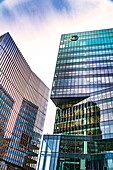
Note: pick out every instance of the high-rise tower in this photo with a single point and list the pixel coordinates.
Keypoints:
(82, 90)
(84, 68)
(24, 99)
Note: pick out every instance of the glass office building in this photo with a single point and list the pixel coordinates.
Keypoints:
(23, 105)
(82, 91)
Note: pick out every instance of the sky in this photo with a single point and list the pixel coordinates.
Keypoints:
(36, 27)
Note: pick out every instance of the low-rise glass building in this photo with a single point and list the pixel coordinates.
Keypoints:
(24, 99)
(82, 91)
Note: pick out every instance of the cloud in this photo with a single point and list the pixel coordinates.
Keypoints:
(35, 8)
(83, 13)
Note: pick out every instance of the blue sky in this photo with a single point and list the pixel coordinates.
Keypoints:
(36, 27)
(35, 8)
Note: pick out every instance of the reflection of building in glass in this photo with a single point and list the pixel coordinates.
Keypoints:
(83, 119)
(82, 90)
(24, 99)
(5, 112)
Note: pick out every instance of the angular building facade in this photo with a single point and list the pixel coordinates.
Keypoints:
(82, 91)
(24, 99)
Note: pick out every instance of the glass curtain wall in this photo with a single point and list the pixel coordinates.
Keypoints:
(24, 99)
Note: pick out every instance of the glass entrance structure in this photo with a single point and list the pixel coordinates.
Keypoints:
(63, 152)
(82, 91)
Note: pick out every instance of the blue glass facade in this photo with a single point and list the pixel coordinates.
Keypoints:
(24, 99)
(6, 106)
(82, 90)
(83, 66)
